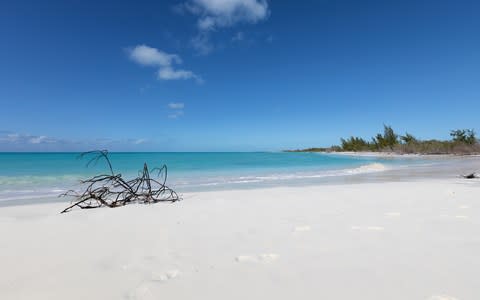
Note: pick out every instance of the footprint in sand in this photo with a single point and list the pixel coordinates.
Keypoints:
(442, 297)
(262, 258)
(302, 228)
(164, 276)
(142, 292)
(269, 257)
(245, 258)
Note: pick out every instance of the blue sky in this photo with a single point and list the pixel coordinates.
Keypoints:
(226, 75)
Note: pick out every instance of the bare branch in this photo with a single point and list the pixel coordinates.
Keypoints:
(113, 191)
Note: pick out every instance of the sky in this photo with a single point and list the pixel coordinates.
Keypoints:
(233, 75)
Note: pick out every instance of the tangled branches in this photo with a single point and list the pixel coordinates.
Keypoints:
(112, 190)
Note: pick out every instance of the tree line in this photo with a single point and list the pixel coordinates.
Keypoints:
(463, 141)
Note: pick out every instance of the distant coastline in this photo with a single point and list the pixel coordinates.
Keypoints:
(389, 143)
(379, 154)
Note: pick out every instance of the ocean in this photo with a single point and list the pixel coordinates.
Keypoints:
(43, 176)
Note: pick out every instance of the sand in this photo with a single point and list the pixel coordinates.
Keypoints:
(406, 240)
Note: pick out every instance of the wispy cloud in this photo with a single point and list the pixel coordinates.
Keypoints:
(176, 114)
(174, 105)
(12, 141)
(140, 141)
(149, 56)
(168, 73)
(17, 138)
(40, 139)
(202, 43)
(216, 14)
(176, 109)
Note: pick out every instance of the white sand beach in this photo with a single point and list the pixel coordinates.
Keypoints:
(408, 240)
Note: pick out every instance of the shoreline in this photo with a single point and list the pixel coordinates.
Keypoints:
(369, 172)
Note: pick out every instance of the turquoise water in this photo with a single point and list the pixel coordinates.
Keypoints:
(40, 175)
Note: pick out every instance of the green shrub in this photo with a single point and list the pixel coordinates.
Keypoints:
(355, 144)
(386, 141)
(408, 139)
(466, 136)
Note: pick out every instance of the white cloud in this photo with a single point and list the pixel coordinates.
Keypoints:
(167, 73)
(224, 13)
(140, 141)
(216, 14)
(149, 56)
(174, 105)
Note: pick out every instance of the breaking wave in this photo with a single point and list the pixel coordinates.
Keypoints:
(364, 169)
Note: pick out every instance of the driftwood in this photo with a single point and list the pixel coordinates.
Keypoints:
(113, 191)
